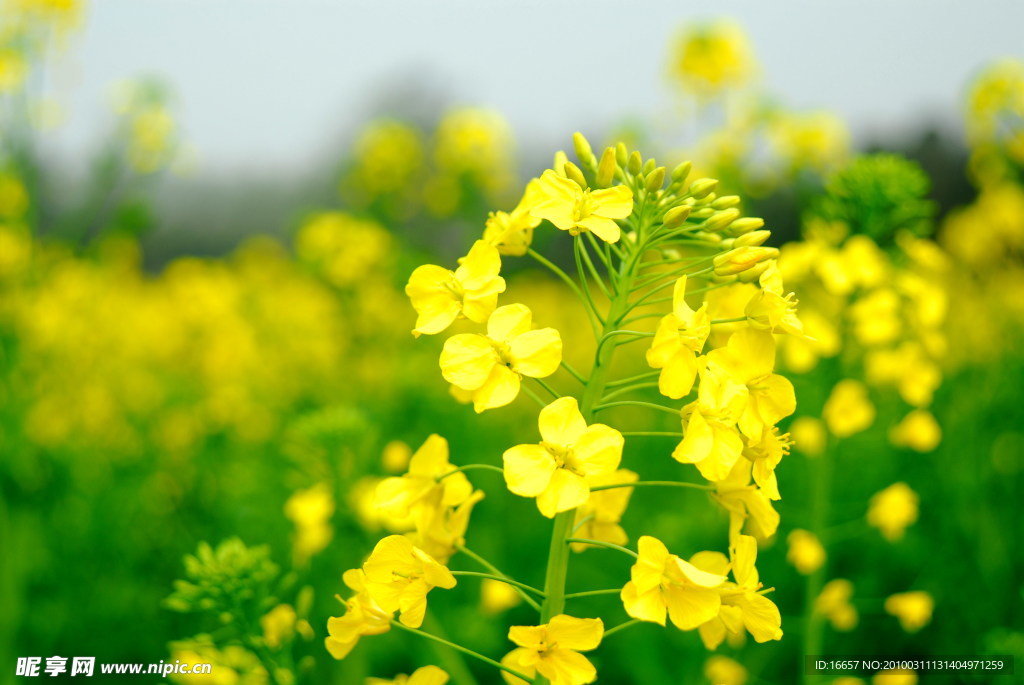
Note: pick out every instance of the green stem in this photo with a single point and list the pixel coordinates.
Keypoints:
(500, 578)
(654, 434)
(451, 660)
(632, 379)
(573, 372)
(628, 389)
(621, 626)
(536, 398)
(594, 593)
(633, 403)
(735, 319)
(494, 569)
(652, 483)
(551, 391)
(584, 283)
(601, 543)
(464, 650)
(592, 314)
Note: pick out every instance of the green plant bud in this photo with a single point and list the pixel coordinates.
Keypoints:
(583, 151)
(649, 166)
(753, 273)
(726, 201)
(606, 169)
(702, 186)
(655, 179)
(681, 171)
(702, 213)
(753, 238)
(740, 259)
(676, 216)
(635, 163)
(745, 225)
(573, 173)
(621, 154)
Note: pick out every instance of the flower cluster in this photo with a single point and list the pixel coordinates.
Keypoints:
(637, 231)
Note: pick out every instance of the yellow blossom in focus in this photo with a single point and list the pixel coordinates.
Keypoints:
(808, 435)
(918, 430)
(363, 616)
(440, 296)
(806, 553)
(834, 604)
(598, 518)
(848, 409)
(398, 576)
(892, 510)
(278, 625)
(571, 208)
(713, 58)
(310, 510)
(765, 453)
(749, 508)
(553, 650)
(895, 676)
(913, 609)
(557, 470)
(496, 596)
(491, 366)
(512, 232)
(662, 583)
(404, 495)
(677, 343)
(721, 670)
(441, 529)
(427, 675)
(711, 439)
(772, 310)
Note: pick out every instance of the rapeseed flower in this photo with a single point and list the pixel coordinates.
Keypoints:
(512, 232)
(363, 616)
(402, 496)
(678, 343)
(490, 367)
(848, 409)
(711, 440)
(440, 296)
(557, 470)
(398, 576)
(806, 553)
(912, 609)
(553, 650)
(892, 510)
(834, 604)
(577, 210)
(427, 675)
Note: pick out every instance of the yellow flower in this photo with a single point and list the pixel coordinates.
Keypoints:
(12, 70)
(598, 518)
(427, 675)
(496, 596)
(403, 496)
(749, 508)
(892, 510)
(918, 430)
(848, 409)
(721, 670)
(749, 359)
(441, 529)
(895, 676)
(512, 232)
(743, 606)
(663, 583)
(556, 471)
(310, 510)
(808, 435)
(399, 575)
(765, 453)
(679, 340)
(712, 58)
(553, 650)
(363, 616)
(396, 456)
(440, 296)
(806, 552)
(770, 308)
(711, 440)
(740, 259)
(834, 604)
(913, 609)
(278, 625)
(571, 208)
(492, 366)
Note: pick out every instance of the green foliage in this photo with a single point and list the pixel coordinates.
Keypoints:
(230, 578)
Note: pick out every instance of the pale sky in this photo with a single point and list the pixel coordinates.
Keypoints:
(265, 84)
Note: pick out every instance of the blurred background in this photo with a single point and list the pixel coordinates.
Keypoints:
(208, 212)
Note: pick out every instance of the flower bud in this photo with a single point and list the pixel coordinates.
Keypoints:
(676, 216)
(583, 151)
(573, 173)
(745, 225)
(726, 201)
(702, 186)
(752, 274)
(606, 169)
(720, 220)
(753, 239)
(560, 161)
(702, 213)
(681, 171)
(635, 163)
(740, 259)
(655, 179)
(621, 154)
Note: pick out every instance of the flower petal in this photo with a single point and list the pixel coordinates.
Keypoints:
(528, 469)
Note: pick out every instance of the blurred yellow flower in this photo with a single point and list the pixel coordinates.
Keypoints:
(895, 676)
(491, 366)
(12, 70)
(721, 670)
(278, 625)
(834, 604)
(512, 232)
(571, 208)
(677, 343)
(848, 409)
(918, 430)
(662, 583)
(557, 470)
(398, 576)
(310, 510)
(806, 553)
(712, 58)
(426, 675)
(808, 435)
(553, 650)
(913, 609)
(496, 596)
(440, 296)
(396, 456)
(892, 510)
